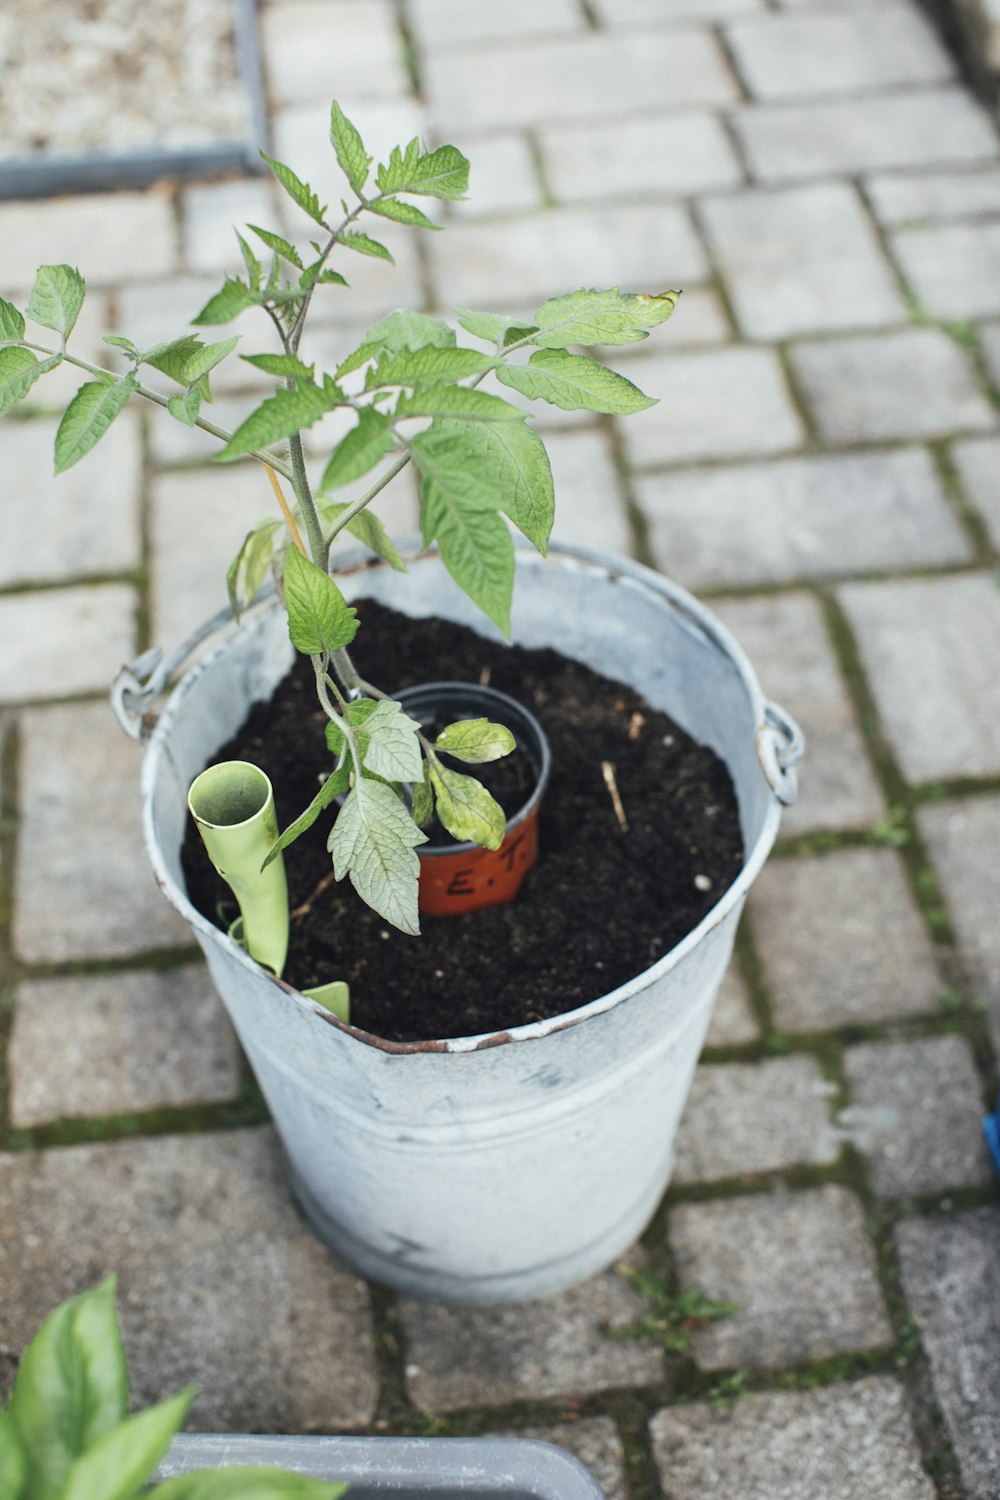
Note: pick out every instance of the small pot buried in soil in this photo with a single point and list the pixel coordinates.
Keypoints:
(460, 878)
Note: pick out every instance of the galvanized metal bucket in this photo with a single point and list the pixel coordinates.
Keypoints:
(504, 1166)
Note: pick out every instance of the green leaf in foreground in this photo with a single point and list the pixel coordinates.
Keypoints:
(319, 617)
(249, 567)
(13, 1464)
(360, 450)
(56, 298)
(422, 809)
(368, 529)
(476, 741)
(278, 244)
(335, 785)
(11, 321)
(233, 298)
(507, 466)
(365, 245)
(357, 714)
(604, 317)
(466, 808)
(121, 1462)
(185, 408)
(349, 149)
(300, 191)
(287, 366)
(19, 369)
(574, 383)
(428, 365)
(443, 173)
(88, 417)
(458, 401)
(278, 417)
(207, 357)
(241, 1483)
(401, 213)
(493, 328)
(393, 748)
(373, 840)
(171, 358)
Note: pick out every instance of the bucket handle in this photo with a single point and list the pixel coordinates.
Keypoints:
(139, 683)
(780, 743)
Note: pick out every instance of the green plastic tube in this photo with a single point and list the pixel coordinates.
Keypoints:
(233, 805)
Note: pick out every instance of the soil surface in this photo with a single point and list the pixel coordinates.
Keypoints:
(600, 906)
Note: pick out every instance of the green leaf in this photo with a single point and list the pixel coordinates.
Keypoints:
(19, 369)
(241, 1483)
(368, 529)
(574, 383)
(427, 365)
(171, 358)
(521, 473)
(206, 358)
(118, 1465)
(476, 741)
(401, 213)
(358, 357)
(88, 417)
(348, 146)
(422, 808)
(333, 278)
(288, 366)
(278, 244)
(254, 269)
(233, 298)
(185, 408)
(443, 173)
(357, 713)
(466, 808)
(13, 1463)
(457, 401)
(365, 245)
(278, 417)
(493, 328)
(373, 841)
(319, 617)
(404, 329)
(605, 317)
(249, 567)
(360, 450)
(335, 785)
(393, 748)
(71, 1388)
(297, 189)
(119, 343)
(11, 321)
(458, 503)
(56, 298)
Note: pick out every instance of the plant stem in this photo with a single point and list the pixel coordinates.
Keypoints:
(358, 505)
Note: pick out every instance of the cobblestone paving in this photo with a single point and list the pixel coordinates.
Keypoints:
(824, 468)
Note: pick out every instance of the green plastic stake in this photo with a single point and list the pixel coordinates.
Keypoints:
(233, 805)
(335, 997)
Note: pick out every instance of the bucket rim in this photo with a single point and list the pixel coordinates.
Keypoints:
(694, 615)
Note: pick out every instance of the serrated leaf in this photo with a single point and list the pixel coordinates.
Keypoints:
(349, 148)
(427, 366)
(522, 476)
(574, 383)
(359, 450)
(278, 244)
(319, 617)
(466, 808)
(254, 269)
(373, 841)
(476, 741)
(458, 402)
(401, 213)
(278, 417)
(393, 748)
(233, 298)
(357, 712)
(327, 277)
(185, 408)
(288, 366)
(121, 343)
(600, 317)
(71, 1388)
(118, 1465)
(335, 785)
(237, 1482)
(56, 298)
(13, 1463)
(405, 329)
(11, 321)
(358, 357)
(422, 802)
(368, 529)
(365, 245)
(443, 173)
(19, 369)
(171, 358)
(88, 417)
(249, 567)
(300, 191)
(206, 358)
(493, 328)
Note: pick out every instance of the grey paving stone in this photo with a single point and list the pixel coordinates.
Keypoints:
(841, 941)
(989, 340)
(964, 843)
(527, 1351)
(455, 23)
(658, 12)
(978, 464)
(677, 154)
(951, 1276)
(917, 383)
(791, 653)
(502, 179)
(801, 260)
(929, 647)
(924, 128)
(901, 199)
(720, 403)
(594, 1441)
(315, 51)
(954, 270)
(111, 236)
(65, 641)
(576, 78)
(209, 214)
(116, 1043)
(220, 1284)
(800, 518)
(548, 254)
(733, 1020)
(84, 888)
(754, 1117)
(799, 1265)
(590, 508)
(849, 1441)
(52, 529)
(916, 1113)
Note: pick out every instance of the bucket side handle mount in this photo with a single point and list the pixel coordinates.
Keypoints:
(139, 683)
(780, 743)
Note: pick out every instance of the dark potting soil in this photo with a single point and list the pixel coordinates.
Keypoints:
(601, 904)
